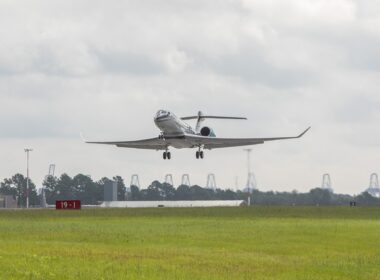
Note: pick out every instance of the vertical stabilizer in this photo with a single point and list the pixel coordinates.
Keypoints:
(200, 120)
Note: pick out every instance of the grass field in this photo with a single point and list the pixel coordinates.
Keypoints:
(210, 243)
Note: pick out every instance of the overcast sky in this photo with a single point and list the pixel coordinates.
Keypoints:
(105, 67)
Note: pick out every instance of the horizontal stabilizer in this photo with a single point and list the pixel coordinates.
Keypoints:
(212, 117)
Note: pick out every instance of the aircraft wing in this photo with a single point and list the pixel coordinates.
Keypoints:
(192, 141)
(215, 142)
(152, 144)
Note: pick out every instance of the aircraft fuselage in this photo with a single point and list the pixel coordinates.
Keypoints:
(170, 125)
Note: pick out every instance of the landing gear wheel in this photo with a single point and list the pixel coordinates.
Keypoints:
(166, 155)
(201, 154)
(197, 154)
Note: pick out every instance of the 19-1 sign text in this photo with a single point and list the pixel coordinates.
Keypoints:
(67, 204)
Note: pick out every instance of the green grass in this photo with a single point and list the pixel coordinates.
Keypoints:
(209, 243)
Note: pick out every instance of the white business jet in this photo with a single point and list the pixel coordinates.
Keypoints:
(178, 134)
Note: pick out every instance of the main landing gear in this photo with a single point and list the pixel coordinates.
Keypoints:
(199, 154)
(166, 155)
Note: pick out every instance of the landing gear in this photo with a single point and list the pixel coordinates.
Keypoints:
(166, 155)
(161, 136)
(199, 154)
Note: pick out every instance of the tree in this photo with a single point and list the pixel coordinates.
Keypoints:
(182, 192)
(121, 189)
(50, 186)
(167, 191)
(199, 193)
(86, 190)
(16, 186)
(135, 193)
(366, 199)
(154, 191)
(7, 188)
(320, 196)
(225, 194)
(64, 188)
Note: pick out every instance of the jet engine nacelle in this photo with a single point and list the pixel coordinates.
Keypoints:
(207, 131)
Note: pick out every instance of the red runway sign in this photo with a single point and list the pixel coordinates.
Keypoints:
(67, 204)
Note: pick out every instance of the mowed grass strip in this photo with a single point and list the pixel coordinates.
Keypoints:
(191, 243)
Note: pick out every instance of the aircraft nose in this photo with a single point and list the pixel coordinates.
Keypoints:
(162, 114)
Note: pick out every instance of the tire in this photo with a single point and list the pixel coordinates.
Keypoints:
(164, 155)
(201, 154)
(169, 155)
(197, 154)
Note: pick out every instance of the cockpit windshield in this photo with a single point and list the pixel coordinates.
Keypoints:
(162, 113)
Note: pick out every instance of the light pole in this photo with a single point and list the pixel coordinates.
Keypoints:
(251, 182)
(27, 150)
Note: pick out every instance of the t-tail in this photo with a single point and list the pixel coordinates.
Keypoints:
(201, 117)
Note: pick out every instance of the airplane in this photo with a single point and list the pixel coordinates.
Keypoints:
(178, 134)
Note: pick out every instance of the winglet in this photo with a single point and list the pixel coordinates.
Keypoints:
(302, 134)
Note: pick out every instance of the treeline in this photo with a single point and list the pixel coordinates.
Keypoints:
(82, 187)
(317, 196)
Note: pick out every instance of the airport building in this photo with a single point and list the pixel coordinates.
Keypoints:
(110, 191)
(7, 201)
(180, 203)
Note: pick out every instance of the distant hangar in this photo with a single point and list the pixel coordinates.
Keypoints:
(180, 203)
